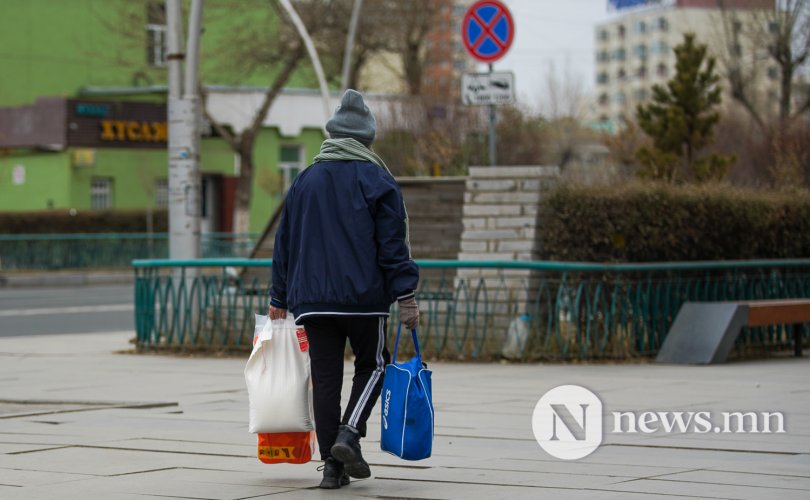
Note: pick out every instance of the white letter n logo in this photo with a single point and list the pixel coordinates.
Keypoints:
(567, 422)
(576, 430)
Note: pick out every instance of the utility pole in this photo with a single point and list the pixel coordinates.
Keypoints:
(347, 53)
(184, 131)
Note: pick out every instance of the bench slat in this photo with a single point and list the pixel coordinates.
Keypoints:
(777, 312)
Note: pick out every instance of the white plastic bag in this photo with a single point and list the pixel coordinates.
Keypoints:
(516, 337)
(278, 378)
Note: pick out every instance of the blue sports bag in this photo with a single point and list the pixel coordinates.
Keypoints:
(407, 406)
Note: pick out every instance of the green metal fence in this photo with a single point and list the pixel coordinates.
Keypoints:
(485, 310)
(107, 250)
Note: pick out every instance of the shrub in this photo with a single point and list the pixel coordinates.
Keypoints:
(655, 222)
(83, 221)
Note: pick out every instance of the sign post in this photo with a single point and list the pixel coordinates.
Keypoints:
(487, 31)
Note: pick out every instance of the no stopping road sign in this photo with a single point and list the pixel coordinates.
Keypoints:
(487, 30)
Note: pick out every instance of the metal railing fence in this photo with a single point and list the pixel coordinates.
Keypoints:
(107, 250)
(485, 310)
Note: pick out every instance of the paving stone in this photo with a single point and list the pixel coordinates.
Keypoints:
(36, 478)
(484, 447)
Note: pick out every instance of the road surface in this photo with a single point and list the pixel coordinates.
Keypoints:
(69, 309)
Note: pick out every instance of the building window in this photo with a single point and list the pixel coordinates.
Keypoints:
(662, 24)
(773, 73)
(101, 196)
(736, 26)
(619, 54)
(602, 56)
(641, 94)
(603, 35)
(602, 78)
(773, 27)
(161, 193)
(659, 47)
(640, 51)
(641, 72)
(156, 34)
(603, 99)
(621, 31)
(621, 75)
(662, 70)
(619, 98)
(640, 27)
(736, 50)
(290, 163)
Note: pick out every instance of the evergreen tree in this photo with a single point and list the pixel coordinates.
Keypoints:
(680, 119)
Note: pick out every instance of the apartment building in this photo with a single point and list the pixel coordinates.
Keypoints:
(634, 50)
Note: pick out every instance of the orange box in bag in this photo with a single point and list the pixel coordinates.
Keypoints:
(286, 447)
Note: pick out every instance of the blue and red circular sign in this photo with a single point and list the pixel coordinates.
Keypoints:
(487, 30)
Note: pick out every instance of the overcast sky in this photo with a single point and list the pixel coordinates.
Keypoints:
(558, 32)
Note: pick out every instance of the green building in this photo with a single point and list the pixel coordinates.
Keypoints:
(82, 110)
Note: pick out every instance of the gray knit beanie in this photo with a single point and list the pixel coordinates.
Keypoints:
(352, 119)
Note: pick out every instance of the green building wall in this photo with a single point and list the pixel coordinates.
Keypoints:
(47, 182)
(59, 47)
(52, 183)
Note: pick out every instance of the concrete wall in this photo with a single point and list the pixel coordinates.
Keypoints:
(500, 212)
(500, 220)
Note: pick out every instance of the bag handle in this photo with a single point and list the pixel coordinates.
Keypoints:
(415, 343)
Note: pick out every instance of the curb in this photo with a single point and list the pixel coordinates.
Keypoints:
(65, 279)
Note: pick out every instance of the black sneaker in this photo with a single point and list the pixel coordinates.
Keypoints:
(347, 450)
(333, 475)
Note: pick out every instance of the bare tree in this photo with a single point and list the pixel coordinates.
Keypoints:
(255, 40)
(780, 35)
(563, 105)
(416, 19)
(373, 36)
(254, 43)
(386, 27)
(563, 93)
(244, 52)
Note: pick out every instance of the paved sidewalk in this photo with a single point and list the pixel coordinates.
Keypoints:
(78, 421)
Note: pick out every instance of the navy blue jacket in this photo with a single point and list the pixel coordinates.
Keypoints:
(341, 246)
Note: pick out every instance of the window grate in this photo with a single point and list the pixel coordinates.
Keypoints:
(101, 194)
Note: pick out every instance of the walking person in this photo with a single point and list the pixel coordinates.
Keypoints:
(341, 258)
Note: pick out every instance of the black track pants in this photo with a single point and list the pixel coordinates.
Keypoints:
(327, 340)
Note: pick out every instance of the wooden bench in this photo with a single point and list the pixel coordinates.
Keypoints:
(704, 332)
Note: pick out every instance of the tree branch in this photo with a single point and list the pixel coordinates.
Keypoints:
(272, 92)
(230, 138)
(738, 93)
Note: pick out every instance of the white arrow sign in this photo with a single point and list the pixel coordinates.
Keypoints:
(488, 88)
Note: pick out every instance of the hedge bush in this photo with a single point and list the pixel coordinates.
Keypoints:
(83, 221)
(653, 222)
